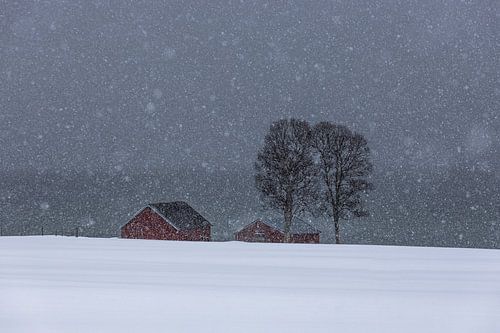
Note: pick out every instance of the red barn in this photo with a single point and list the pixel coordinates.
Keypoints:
(170, 220)
(272, 231)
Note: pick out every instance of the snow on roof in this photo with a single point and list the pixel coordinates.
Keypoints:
(180, 214)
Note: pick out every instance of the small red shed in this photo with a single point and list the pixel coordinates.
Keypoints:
(272, 231)
(169, 221)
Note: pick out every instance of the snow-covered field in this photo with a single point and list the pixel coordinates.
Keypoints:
(60, 284)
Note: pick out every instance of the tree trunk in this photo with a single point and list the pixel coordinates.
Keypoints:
(288, 215)
(337, 230)
(336, 206)
(287, 225)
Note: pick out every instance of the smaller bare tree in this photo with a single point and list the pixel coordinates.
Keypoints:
(285, 170)
(344, 167)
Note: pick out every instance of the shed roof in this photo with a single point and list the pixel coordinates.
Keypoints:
(180, 214)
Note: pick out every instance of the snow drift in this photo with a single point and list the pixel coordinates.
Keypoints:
(60, 284)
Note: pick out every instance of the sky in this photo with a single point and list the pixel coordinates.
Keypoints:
(113, 85)
(106, 106)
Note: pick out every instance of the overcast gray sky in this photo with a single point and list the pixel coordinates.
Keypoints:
(124, 84)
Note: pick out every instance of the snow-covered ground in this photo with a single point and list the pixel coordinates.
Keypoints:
(60, 284)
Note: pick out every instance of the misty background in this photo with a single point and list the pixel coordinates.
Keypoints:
(108, 105)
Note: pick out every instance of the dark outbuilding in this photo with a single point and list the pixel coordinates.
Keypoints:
(272, 231)
(168, 221)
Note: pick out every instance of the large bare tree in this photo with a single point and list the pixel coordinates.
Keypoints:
(343, 158)
(285, 170)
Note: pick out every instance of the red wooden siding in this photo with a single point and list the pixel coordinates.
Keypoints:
(150, 225)
(305, 238)
(261, 232)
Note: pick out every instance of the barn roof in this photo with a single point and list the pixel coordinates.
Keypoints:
(180, 214)
(298, 226)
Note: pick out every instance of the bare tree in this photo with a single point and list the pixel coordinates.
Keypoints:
(344, 164)
(285, 170)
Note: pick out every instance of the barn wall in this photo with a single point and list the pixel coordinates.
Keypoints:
(261, 232)
(202, 234)
(149, 225)
(305, 238)
(251, 234)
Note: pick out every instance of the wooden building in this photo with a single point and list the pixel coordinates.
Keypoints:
(272, 231)
(168, 221)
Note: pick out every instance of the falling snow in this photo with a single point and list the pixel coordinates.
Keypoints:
(106, 106)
